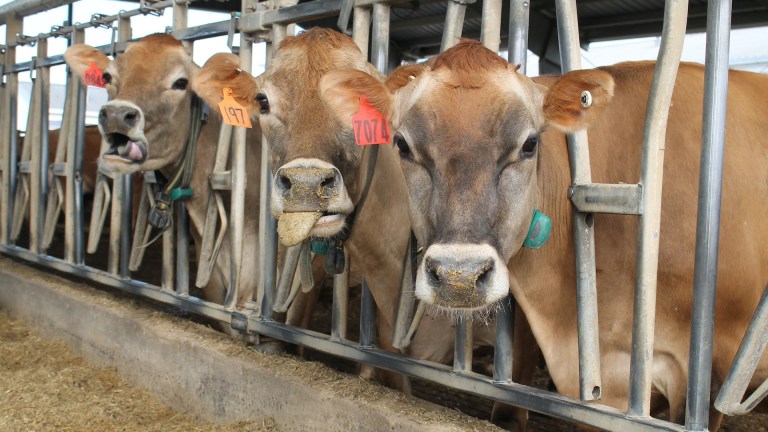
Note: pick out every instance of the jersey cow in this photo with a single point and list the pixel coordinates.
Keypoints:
(482, 146)
(146, 126)
(319, 173)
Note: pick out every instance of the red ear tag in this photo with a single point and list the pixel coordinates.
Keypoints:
(370, 126)
(94, 76)
(232, 112)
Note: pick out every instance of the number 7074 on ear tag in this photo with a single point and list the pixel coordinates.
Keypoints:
(232, 112)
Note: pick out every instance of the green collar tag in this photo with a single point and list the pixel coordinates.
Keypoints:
(538, 233)
(180, 193)
(319, 247)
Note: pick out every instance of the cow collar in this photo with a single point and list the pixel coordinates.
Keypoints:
(333, 248)
(177, 188)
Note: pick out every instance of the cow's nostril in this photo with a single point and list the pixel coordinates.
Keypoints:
(430, 266)
(484, 274)
(102, 115)
(328, 182)
(283, 182)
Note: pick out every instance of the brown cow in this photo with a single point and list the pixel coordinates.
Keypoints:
(145, 126)
(314, 158)
(482, 146)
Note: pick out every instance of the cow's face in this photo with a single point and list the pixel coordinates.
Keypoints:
(314, 159)
(467, 131)
(145, 124)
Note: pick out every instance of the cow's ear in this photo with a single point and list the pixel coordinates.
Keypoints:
(403, 75)
(223, 71)
(573, 101)
(342, 90)
(80, 57)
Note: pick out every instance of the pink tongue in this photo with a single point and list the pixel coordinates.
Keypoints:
(132, 151)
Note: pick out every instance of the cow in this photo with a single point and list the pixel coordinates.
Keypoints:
(483, 146)
(145, 126)
(319, 174)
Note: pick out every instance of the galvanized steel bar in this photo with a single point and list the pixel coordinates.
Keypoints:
(462, 349)
(583, 231)
(708, 219)
(367, 317)
(13, 25)
(39, 158)
(454, 22)
(729, 400)
(659, 101)
(624, 199)
(180, 12)
(361, 28)
(490, 30)
(340, 310)
(517, 49)
(73, 226)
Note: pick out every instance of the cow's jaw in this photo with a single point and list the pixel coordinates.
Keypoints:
(309, 199)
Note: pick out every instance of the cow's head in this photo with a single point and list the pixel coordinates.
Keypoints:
(145, 125)
(315, 162)
(467, 131)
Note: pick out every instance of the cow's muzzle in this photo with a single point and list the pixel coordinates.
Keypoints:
(122, 127)
(309, 199)
(462, 276)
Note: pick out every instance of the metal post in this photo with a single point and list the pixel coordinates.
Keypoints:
(583, 231)
(124, 33)
(517, 50)
(462, 349)
(340, 311)
(708, 223)
(39, 160)
(490, 30)
(180, 12)
(659, 101)
(361, 28)
(367, 317)
(13, 25)
(454, 21)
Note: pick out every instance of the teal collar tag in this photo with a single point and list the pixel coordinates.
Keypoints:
(319, 246)
(180, 193)
(538, 233)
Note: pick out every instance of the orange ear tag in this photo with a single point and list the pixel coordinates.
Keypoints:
(370, 125)
(94, 76)
(232, 112)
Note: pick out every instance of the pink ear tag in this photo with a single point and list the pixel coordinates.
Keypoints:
(370, 126)
(94, 76)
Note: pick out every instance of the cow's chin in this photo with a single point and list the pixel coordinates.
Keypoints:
(482, 314)
(119, 165)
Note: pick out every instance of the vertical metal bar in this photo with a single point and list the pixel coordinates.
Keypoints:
(708, 223)
(367, 317)
(124, 33)
(583, 232)
(519, 11)
(380, 37)
(39, 151)
(339, 313)
(462, 349)
(180, 13)
(659, 101)
(237, 206)
(76, 170)
(168, 281)
(361, 28)
(490, 30)
(70, 214)
(454, 22)
(13, 25)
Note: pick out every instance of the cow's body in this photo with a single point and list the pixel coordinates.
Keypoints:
(162, 92)
(469, 133)
(615, 150)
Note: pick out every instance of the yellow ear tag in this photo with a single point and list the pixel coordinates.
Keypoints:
(232, 112)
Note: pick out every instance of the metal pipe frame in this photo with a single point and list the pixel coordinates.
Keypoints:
(652, 170)
(260, 322)
(708, 219)
(454, 22)
(583, 229)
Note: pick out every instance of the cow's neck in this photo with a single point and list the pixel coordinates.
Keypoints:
(380, 233)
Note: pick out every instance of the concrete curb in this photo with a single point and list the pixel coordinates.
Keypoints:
(198, 371)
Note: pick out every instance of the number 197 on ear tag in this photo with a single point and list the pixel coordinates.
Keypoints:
(370, 125)
(232, 112)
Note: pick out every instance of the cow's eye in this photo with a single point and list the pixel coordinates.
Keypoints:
(106, 78)
(402, 147)
(263, 102)
(529, 147)
(180, 84)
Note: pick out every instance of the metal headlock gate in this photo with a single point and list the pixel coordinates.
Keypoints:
(36, 190)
